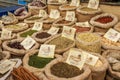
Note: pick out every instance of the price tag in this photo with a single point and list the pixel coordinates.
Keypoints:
(6, 65)
(6, 34)
(37, 26)
(93, 4)
(53, 30)
(75, 3)
(28, 42)
(42, 13)
(68, 32)
(112, 35)
(76, 58)
(54, 13)
(47, 51)
(91, 59)
(70, 16)
(83, 24)
(62, 1)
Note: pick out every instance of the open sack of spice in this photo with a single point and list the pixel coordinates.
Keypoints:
(58, 69)
(97, 64)
(111, 40)
(113, 57)
(9, 19)
(22, 13)
(20, 46)
(36, 60)
(7, 65)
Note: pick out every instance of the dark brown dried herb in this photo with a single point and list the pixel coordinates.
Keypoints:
(43, 35)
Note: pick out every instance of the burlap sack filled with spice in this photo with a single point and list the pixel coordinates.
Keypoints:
(66, 7)
(25, 33)
(42, 36)
(84, 13)
(104, 20)
(59, 70)
(88, 41)
(62, 44)
(34, 63)
(22, 13)
(113, 57)
(35, 6)
(63, 22)
(117, 27)
(4, 55)
(15, 48)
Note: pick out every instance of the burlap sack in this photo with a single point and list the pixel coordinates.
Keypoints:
(101, 25)
(18, 52)
(5, 55)
(86, 75)
(30, 68)
(83, 16)
(111, 72)
(35, 10)
(117, 27)
(41, 40)
(67, 24)
(60, 51)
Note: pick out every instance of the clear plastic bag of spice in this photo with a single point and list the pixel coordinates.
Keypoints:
(88, 41)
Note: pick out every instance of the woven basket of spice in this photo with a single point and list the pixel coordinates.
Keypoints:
(25, 33)
(59, 70)
(22, 13)
(104, 20)
(88, 41)
(4, 55)
(113, 57)
(98, 71)
(42, 36)
(15, 28)
(63, 22)
(15, 48)
(34, 63)
(84, 13)
(117, 27)
(35, 6)
(108, 44)
(66, 7)
(62, 44)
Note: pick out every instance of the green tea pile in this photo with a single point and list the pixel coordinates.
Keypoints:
(30, 32)
(65, 70)
(38, 62)
(61, 42)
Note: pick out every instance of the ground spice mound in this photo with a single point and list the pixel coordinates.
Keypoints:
(65, 70)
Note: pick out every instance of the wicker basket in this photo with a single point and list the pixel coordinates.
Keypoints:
(83, 16)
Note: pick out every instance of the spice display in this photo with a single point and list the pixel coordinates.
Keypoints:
(82, 29)
(21, 73)
(104, 19)
(61, 42)
(43, 35)
(89, 42)
(88, 9)
(38, 62)
(37, 3)
(65, 70)
(30, 32)
(16, 45)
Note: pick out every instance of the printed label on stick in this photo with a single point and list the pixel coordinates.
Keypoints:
(75, 3)
(70, 16)
(93, 4)
(37, 26)
(83, 24)
(6, 34)
(53, 30)
(42, 13)
(54, 13)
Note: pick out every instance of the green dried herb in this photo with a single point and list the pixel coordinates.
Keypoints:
(65, 70)
(88, 9)
(34, 18)
(30, 32)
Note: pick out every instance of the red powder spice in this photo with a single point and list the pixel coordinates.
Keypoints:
(81, 29)
(105, 19)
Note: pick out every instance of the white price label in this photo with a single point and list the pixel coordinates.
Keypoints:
(93, 4)
(28, 42)
(54, 13)
(70, 16)
(112, 35)
(37, 26)
(42, 13)
(62, 1)
(6, 34)
(53, 30)
(75, 3)
(83, 24)
(68, 32)
(76, 58)
(47, 51)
